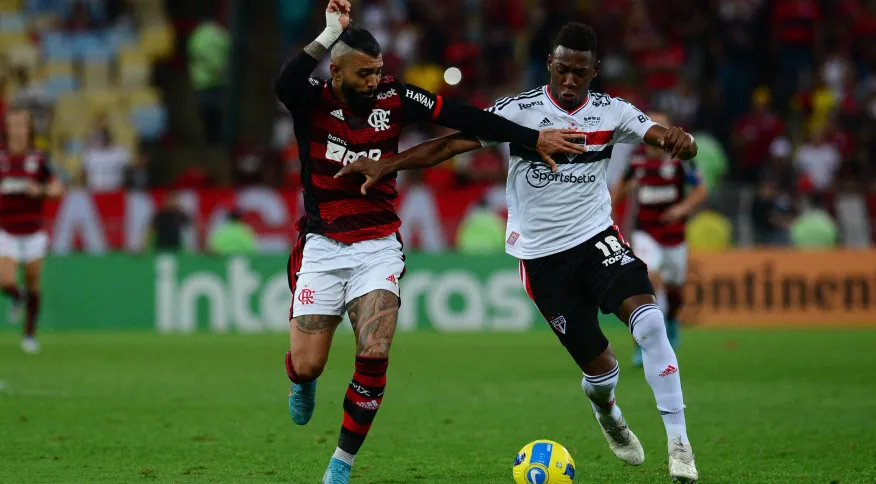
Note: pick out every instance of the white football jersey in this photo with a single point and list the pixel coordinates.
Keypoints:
(552, 212)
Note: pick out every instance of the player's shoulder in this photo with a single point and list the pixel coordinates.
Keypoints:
(607, 101)
(388, 88)
(521, 102)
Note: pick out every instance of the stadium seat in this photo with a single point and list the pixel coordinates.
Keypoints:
(120, 36)
(96, 74)
(57, 46)
(10, 5)
(92, 46)
(24, 55)
(149, 121)
(156, 41)
(13, 22)
(10, 39)
(134, 68)
(100, 102)
(147, 96)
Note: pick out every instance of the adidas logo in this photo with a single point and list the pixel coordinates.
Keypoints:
(545, 123)
(392, 279)
(338, 113)
(669, 370)
(627, 259)
(372, 405)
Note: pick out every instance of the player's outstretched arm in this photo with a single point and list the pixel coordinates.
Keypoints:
(490, 126)
(293, 77)
(696, 197)
(424, 155)
(673, 140)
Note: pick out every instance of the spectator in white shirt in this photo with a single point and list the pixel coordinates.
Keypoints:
(818, 161)
(104, 163)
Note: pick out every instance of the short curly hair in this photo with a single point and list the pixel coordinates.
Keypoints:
(577, 36)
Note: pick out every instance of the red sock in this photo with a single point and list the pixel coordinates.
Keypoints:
(33, 310)
(13, 293)
(362, 401)
(290, 371)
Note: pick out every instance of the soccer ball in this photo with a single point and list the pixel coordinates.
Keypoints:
(544, 462)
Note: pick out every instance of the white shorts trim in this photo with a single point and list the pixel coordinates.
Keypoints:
(24, 248)
(670, 261)
(333, 274)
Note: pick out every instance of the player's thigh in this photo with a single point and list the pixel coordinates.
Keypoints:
(9, 254)
(558, 294)
(33, 251)
(648, 250)
(675, 265)
(373, 295)
(630, 289)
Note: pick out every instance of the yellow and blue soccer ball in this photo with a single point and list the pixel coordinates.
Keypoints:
(544, 462)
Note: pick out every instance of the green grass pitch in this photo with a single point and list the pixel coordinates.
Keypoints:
(783, 407)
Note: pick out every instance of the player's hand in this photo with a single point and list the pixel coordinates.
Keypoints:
(34, 190)
(342, 6)
(676, 141)
(551, 141)
(675, 213)
(373, 170)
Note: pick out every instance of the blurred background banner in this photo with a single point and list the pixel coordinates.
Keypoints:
(443, 292)
(782, 288)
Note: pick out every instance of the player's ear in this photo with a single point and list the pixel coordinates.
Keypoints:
(550, 60)
(335, 71)
(596, 66)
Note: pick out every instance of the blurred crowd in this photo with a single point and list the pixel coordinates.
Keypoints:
(781, 92)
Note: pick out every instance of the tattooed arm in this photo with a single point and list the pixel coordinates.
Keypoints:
(374, 317)
(292, 82)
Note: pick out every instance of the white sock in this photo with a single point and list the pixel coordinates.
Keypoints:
(343, 456)
(600, 391)
(661, 368)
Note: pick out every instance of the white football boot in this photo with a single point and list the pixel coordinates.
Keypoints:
(30, 345)
(681, 463)
(621, 440)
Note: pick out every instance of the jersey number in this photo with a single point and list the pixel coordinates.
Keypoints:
(612, 247)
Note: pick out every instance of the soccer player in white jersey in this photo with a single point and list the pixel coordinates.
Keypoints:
(573, 260)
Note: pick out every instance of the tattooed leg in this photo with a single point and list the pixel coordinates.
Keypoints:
(310, 339)
(373, 317)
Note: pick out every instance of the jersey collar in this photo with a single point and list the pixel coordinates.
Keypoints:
(553, 101)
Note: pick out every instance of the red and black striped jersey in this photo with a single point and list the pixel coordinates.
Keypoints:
(330, 135)
(21, 214)
(660, 183)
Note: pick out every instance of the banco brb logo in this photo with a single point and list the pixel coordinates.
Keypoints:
(539, 175)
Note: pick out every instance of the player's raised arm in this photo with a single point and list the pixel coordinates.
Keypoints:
(291, 84)
(435, 151)
(422, 105)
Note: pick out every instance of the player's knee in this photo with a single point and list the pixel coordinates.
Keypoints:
(308, 366)
(647, 325)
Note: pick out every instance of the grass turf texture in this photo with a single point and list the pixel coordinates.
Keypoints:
(763, 407)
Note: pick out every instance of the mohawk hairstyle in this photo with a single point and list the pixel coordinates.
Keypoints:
(577, 36)
(358, 39)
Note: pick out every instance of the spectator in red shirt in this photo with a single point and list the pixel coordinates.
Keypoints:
(796, 28)
(753, 134)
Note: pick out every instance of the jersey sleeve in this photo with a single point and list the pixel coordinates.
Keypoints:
(629, 173)
(47, 170)
(691, 173)
(418, 104)
(294, 87)
(632, 123)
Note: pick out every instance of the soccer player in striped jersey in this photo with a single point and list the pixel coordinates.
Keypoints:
(349, 254)
(665, 190)
(573, 259)
(26, 179)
